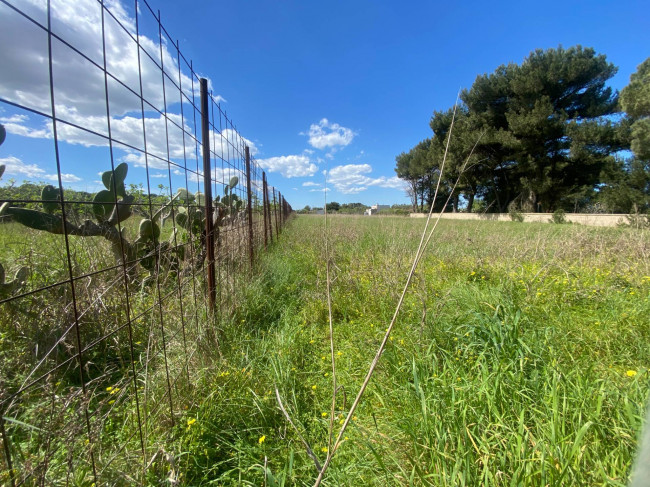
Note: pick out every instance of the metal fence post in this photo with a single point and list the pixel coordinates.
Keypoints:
(275, 214)
(5, 443)
(268, 209)
(250, 204)
(207, 190)
(264, 208)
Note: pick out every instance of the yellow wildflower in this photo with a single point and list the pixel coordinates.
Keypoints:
(631, 373)
(261, 440)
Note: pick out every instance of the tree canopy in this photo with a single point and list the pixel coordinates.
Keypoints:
(635, 101)
(542, 135)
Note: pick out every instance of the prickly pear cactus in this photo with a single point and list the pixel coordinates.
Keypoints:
(11, 287)
(191, 214)
(51, 197)
(110, 207)
(229, 205)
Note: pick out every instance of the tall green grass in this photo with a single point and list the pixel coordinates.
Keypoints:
(520, 358)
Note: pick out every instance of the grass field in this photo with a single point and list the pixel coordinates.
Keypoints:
(520, 357)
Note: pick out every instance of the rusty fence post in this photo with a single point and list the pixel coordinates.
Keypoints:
(250, 204)
(5, 443)
(275, 214)
(207, 191)
(280, 199)
(268, 209)
(264, 208)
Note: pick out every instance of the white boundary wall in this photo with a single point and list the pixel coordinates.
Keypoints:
(594, 220)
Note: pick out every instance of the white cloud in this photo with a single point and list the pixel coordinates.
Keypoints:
(353, 179)
(76, 81)
(326, 134)
(16, 167)
(80, 97)
(218, 99)
(289, 166)
(311, 184)
(127, 132)
(16, 124)
(79, 92)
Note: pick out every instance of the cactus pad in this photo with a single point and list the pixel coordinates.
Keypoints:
(51, 197)
(103, 203)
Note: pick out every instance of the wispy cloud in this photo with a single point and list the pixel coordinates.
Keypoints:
(16, 167)
(79, 89)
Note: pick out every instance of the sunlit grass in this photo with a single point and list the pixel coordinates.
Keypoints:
(510, 363)
(520, 357)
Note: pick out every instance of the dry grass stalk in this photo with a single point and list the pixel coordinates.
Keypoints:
(418, 255)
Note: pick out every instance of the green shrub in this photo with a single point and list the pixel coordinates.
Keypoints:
(559, 217)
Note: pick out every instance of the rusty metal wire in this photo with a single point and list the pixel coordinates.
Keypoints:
(98, 338)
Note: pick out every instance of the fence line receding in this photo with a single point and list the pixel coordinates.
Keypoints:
(132, 210)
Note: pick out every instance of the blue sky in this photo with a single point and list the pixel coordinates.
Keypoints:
(314, 86)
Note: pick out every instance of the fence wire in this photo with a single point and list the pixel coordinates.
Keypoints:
(105, 295)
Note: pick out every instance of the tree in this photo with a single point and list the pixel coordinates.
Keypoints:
(333, 206)
(535, 118)
(626, 186)
(416, 168)
(406, 172)
(543, 131)
(462, 167)
(635, 101)
(627, 182)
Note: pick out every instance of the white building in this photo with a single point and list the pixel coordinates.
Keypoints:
(375, 209)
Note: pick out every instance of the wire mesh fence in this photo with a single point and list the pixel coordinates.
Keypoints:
(140, 213)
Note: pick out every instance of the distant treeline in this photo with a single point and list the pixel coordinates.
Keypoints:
(356, 209)
(544, 135)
